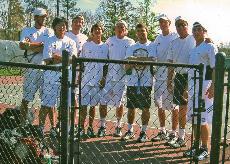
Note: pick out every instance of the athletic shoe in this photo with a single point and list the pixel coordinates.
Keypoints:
(79, 132)
(90, 132)
(190, 153)
(118, 132)
(160, 136)
(101, 131)
(142, 138)
(203, 154)
(128, 135)
(179, 143)
(172, 139)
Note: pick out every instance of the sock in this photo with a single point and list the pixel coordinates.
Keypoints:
(102, 122)
(130, 127)
(181, 133)
(163, 129)
(118, 123)
(144, 128)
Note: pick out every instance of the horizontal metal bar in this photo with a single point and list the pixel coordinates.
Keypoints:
(152, 63)
(29, 65)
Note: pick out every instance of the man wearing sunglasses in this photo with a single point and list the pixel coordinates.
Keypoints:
(179, 53)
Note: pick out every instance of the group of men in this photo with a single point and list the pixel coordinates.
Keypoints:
(105, 84)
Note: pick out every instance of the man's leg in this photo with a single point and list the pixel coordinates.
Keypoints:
(119, 114)
(23, 111)
(103, 114)
(82, 116)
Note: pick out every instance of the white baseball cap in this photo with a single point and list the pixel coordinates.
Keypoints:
(40, 12)
(122, 22)
(181, 18)
(163, 16)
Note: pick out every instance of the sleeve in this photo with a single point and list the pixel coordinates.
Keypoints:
(73, 48)
(47, 51)
(153, 50)
(212, 55)
(23, 35)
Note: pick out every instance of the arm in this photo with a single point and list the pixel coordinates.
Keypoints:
(210, 91)
(170, 78)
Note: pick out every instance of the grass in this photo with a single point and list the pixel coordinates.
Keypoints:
(10, 71)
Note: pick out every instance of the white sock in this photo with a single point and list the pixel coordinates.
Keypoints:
(102, 122)
(163, 129)
(144, 128)
(181, 133)
(118, 123)
(130, 127)
(173, 132)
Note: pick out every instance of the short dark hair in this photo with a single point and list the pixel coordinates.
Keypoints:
(58, 20)
(78, 17)
(141, 25)
(97, 25)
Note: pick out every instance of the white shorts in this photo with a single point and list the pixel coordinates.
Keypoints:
(90, 95)
(163, 99)
(112, 93)
(33, 81)
(206, 117)
(50, 95)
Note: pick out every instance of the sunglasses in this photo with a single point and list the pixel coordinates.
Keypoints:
(181, 25)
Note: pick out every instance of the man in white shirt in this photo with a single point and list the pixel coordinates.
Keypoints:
(75, 33)
(32, 40)
(52, 55)
(115, 80)
(93, 78)
(163, 98)
(179, 53)
(139, 83)
(203, 53)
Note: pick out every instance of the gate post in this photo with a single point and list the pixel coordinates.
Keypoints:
(217, 108)
(64, 108)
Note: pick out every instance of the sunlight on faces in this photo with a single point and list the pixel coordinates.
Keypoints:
(78, 22)
(198, 33)
(120, 30)
(97, 31)
(182, 28)
(164, 24)
(60, 29)
(40, 20)
(141, 33)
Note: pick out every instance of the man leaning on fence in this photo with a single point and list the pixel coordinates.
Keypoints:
(32, 40)
(163, 98)
(203, 53)
(115, 80)
(93, 78)
(179, 53)
(139, 83)
(52, 55)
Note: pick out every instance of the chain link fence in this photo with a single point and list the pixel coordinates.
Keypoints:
(101, 138)
(22, 137)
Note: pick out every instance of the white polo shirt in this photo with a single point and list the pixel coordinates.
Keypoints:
(204, 53)
(93, 71)
(160, 47)
(80, 39)
(36, 35)
(179, 51)
(146, 78)
(117, 51)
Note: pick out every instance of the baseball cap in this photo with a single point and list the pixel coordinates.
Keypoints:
(122, 22)
(180, 19)
(39, 12)
(163, 16)
(198, 24)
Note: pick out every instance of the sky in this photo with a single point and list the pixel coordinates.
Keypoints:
(213, 14)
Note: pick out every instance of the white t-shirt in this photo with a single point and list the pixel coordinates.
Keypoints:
(93, 71)
(179, 51)
(160, 47)
(80, 39)
(205, 54)
(36, 35)
(145, 76)
(56, 45)
(117, 51)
